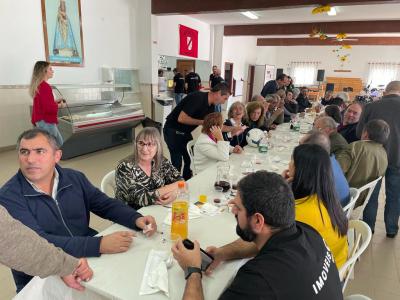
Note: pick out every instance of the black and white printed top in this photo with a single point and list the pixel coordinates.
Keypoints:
(135, 188)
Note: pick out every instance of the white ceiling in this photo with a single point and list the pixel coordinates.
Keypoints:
(303, 15)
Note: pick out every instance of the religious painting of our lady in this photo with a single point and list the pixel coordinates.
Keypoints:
(62, 29)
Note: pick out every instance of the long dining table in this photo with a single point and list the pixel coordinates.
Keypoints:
(119, 276)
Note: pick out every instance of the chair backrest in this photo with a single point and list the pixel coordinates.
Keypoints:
(107, 185)
(362, 237)
(189, 148)
(370, 188)
(348, 209)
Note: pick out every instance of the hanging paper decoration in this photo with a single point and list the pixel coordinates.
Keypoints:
(321, 9)
(341, 36)
(323, 36)
(347, 47)
(315, 32)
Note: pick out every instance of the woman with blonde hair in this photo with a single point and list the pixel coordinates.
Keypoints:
(147, 177)
(236, 114)
(45, 108)
(210, 147)
(255, 116)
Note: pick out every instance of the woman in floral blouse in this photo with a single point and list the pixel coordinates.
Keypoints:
(148, 178)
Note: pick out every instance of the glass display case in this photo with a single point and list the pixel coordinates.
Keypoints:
(96, 117)
(97, 114)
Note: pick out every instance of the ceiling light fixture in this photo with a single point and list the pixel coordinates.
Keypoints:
(250, 15)
(332, 12)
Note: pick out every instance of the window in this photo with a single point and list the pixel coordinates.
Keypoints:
(380, 74)
(304, 73)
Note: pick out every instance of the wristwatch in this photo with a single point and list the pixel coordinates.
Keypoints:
(190, 270)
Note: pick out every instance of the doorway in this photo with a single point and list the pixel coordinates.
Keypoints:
(250, 82)
(185, 65)
(228, 75)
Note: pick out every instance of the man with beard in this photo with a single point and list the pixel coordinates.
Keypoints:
(289, 258)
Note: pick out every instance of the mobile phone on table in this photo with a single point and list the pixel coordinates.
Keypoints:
(206, 259)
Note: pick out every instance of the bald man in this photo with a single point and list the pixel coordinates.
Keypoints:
(328, 126)
(387, 109)
(350, 121)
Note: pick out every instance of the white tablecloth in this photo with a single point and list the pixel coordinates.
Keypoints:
(118, 276)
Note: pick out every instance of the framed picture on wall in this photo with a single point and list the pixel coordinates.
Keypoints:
(62, 28)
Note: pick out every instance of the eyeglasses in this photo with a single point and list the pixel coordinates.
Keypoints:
(142, 144)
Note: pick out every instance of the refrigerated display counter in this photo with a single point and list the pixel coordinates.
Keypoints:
(91, 125)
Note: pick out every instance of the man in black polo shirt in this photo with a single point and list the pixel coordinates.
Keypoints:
(185, 117)
(215, 78)
(212, 75)
(291, 260)
(179, 86)
(192, 82)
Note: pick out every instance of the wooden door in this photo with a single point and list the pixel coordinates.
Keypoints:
(185, 65)
(250, 82)
(228, 75)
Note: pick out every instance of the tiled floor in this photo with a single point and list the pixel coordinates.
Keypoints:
(377, 274)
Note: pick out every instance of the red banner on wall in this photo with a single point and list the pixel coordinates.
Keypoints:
(188, 41)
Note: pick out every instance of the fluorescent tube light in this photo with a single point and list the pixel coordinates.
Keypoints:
(332, 12)
(250, 15)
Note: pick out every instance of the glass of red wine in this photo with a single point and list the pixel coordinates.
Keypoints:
(223, 179)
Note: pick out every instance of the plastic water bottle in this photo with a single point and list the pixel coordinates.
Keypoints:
(263, 144)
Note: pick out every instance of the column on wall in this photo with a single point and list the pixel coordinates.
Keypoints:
(145, 25)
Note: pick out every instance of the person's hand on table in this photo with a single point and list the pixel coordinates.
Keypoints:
(272, 127)
(148, 224)
(217, 133)
(116, 242)
(237, 149)
(218, 258)
(185, 257)
(82, 273)
(167, 198)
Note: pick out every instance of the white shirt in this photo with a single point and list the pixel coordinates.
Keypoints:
(207, 152)
(55, 185)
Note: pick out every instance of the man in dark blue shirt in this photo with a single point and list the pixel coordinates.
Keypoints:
(56, 203)
(272, 86)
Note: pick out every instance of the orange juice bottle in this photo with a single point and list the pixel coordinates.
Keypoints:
(180, 213)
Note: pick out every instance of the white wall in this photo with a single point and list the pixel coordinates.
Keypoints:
(107, 35)
(266, 55)
(358, 60)
(168, 35)
(241, 51)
